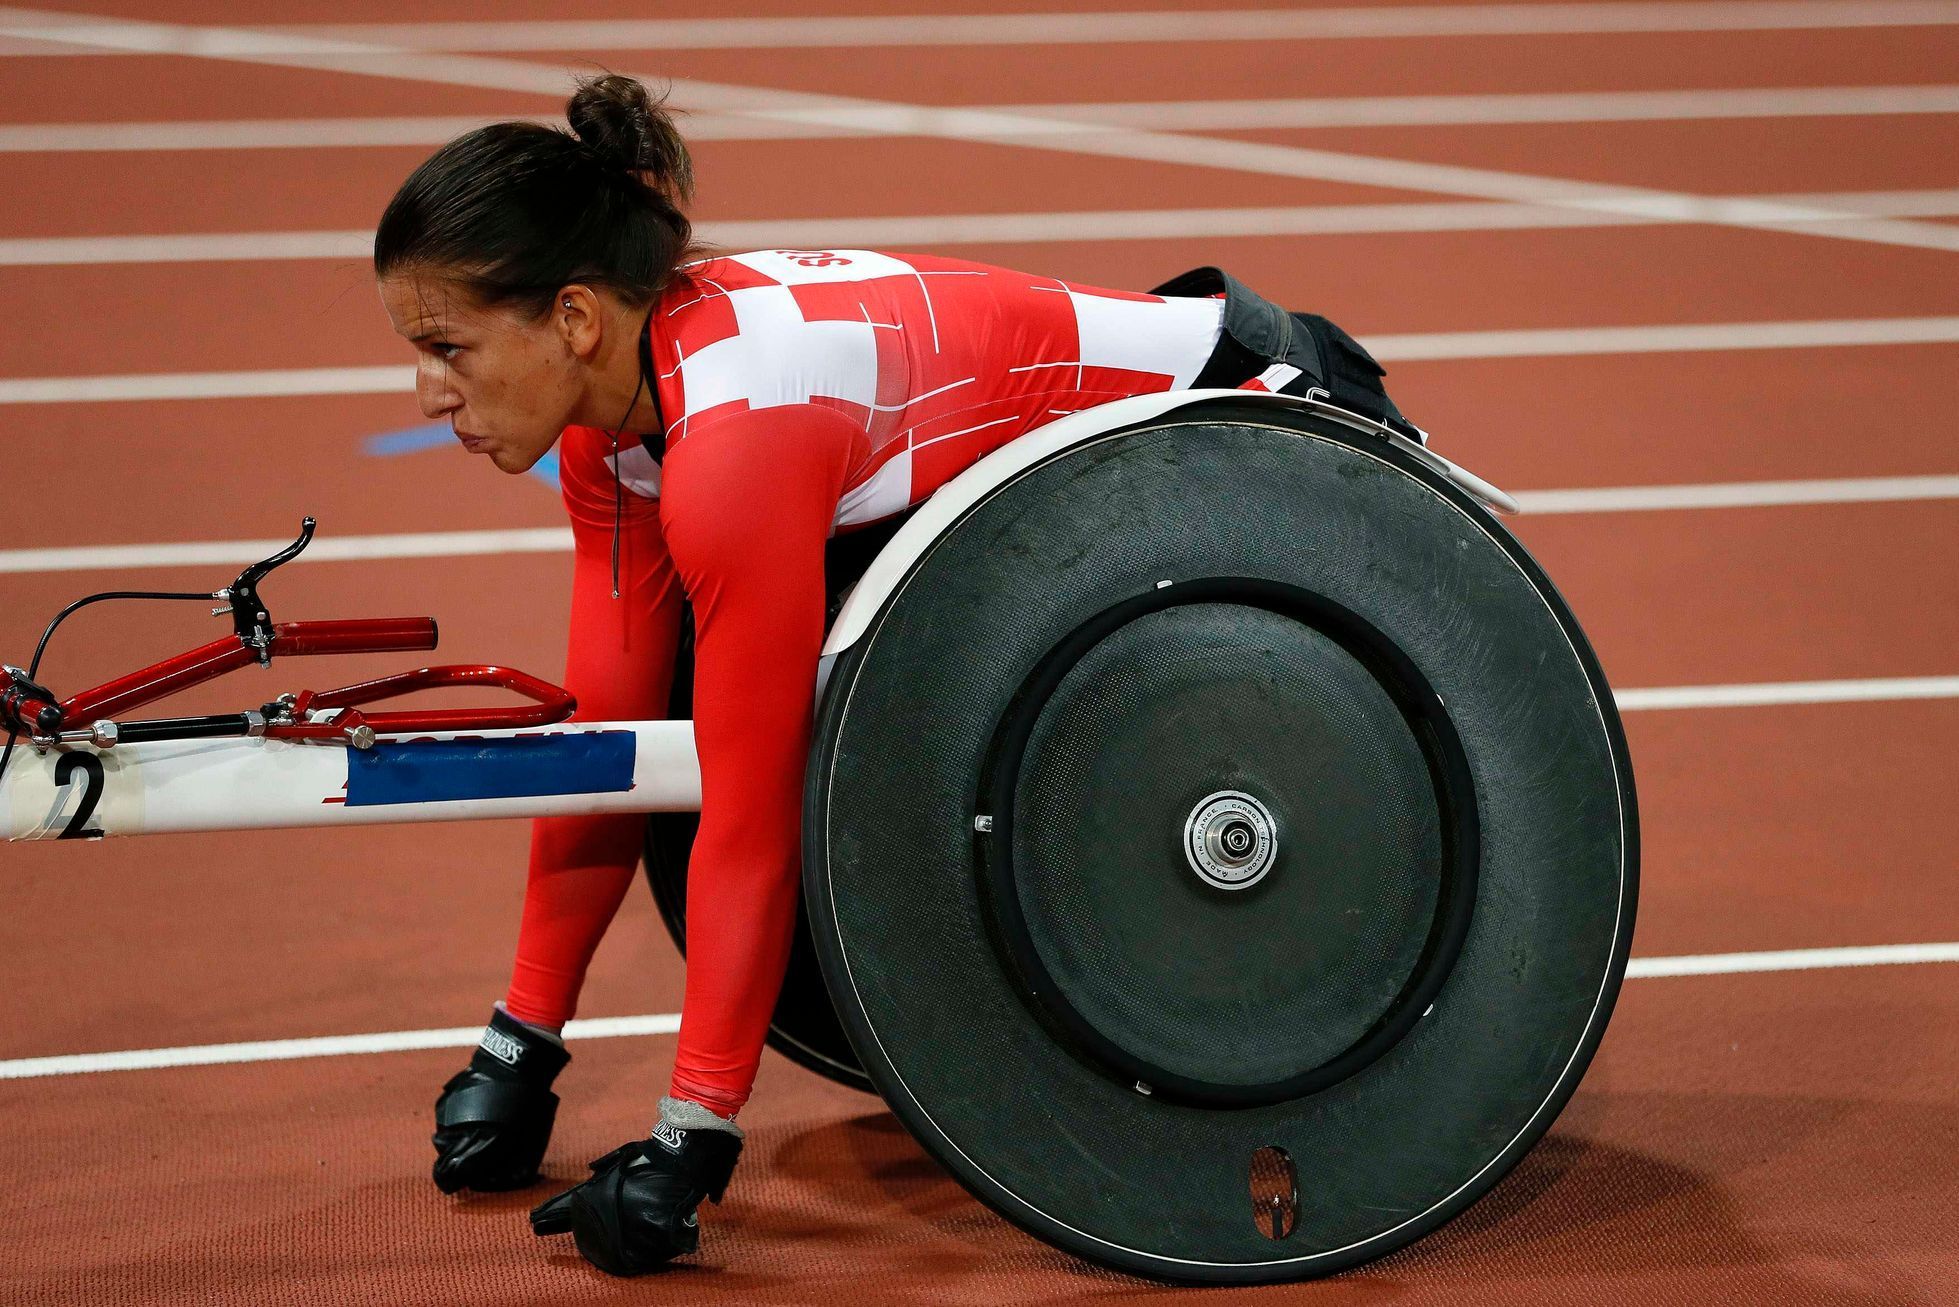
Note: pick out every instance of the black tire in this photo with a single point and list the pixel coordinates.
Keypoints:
(1322, 546)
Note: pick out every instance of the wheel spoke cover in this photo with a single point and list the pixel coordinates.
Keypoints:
(1242, 928)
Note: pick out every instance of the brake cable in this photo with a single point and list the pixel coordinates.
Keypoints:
(13, 722)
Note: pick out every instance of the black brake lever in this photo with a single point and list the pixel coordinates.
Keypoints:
(248, 612)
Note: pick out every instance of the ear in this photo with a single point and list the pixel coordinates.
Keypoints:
(579, 317)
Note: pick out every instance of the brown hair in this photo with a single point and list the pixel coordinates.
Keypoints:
(516, 210)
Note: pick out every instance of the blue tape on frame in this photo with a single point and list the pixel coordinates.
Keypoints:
(513, 767)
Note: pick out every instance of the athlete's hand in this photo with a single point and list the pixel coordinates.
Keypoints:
(493, 1120)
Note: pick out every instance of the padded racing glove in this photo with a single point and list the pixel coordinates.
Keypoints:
(637, 1210)
(494, 1117)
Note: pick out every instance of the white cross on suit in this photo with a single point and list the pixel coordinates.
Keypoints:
(779, 357)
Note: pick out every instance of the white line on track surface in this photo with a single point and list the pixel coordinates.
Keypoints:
(237, 134)
(281, 1050)
(394, 379)
(667, 1023)
(1101, 140)
(1737, 494)
(1689, 337)
(931, 230)
(1546, 342)
(771, 33)
(326, 549)
(1172, 115)
(551, 539)
(1778, 693)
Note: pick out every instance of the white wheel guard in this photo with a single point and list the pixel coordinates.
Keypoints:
(1003, 464)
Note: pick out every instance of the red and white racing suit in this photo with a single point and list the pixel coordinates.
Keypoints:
(803, 392)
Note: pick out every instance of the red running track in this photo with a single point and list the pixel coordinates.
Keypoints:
(1776, 1138)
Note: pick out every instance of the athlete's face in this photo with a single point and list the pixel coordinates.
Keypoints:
(506, 384)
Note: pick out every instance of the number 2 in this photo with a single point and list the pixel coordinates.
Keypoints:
(90, 766)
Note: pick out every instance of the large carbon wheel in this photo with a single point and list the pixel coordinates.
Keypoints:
(1222, 848)
(804, 1028)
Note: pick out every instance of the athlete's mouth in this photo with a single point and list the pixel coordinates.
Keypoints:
(471, 441)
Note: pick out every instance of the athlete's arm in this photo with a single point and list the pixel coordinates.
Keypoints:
(748, 502)
(619, 664)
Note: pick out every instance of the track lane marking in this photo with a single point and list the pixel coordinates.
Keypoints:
(329, 549)
(53, 34)
(237, 44)
(667, 1023)
(282, 1050)
(1738, 494)
(1664, 339)
(1808, 959)
(1178, 115)
(1543, 342)
(1088, 226)
(1888, 689)
(552, 539)
(393, 379)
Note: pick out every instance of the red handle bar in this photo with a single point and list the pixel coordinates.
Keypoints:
(552, 704)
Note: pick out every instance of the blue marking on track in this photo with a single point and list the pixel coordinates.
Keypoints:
(516, 766)
(413, 440)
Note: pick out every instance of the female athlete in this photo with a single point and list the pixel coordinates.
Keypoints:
(717, 421)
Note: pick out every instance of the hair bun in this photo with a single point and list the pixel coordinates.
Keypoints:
(625, 128)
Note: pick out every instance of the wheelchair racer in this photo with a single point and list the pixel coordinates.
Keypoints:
(718, 419)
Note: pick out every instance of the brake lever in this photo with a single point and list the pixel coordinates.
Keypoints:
(248, 612)
(26, 708)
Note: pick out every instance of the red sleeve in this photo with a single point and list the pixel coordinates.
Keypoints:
(748, 503)
(619, 664)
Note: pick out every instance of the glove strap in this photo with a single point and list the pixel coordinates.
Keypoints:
(509, 1050)
(484, 1100)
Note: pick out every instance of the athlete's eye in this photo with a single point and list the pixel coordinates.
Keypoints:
(443, 350)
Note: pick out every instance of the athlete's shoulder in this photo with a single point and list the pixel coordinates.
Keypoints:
(801, 267)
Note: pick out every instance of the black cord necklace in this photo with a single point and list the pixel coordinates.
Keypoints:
(650, 387)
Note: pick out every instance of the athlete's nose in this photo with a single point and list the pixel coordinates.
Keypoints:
(435, 391)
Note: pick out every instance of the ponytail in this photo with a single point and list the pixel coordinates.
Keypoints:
(516, 210)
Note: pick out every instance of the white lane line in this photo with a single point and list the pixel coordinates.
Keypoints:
(1166, 115)
(282, 1050)
(667, 1023)
(1670, 338)
(345, 133)
(544, 540)
(1889, 689)
(1550, 342)
(198, 247)
(1508, 109)
(928, 230)
(892, 117)
(327, 549)
(1435, 178)
(1806, 959)
(389, 380)
(1336, 23)
(1738, 494)
(235, 134)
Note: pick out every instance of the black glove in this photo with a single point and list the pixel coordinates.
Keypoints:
(637, 1210)
(494, 1117)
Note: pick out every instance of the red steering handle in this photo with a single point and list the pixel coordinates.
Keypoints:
(550, 704)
